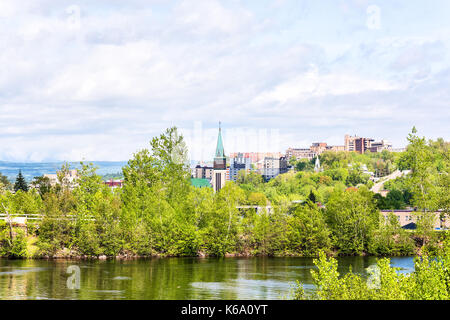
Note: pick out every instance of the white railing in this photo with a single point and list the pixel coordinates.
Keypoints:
(23, 218)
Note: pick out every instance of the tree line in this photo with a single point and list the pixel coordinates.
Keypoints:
(158, 212)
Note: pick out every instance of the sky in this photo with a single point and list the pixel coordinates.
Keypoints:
(97, 79)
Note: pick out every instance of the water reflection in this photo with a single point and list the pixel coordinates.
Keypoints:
(170, 278)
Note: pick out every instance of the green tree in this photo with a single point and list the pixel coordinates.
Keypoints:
(42, 184)
(308, 231)
(312, 197)
(428, 281)
(4, 182)
(391, 239)
(20, 184)
(257, 198)
(249, 181)
(93, 220)
(292, 161)
(420, 160)
(356, 176)
(56, 229)
(156, 215)
(268, 232)
(304, 165)
(352, 217)
(220, 235)
(395, 200)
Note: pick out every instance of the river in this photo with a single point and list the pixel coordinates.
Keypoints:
(167, 278)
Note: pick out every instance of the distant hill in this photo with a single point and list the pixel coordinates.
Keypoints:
(33, 169)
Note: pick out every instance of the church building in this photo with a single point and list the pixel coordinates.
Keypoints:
(220, 165)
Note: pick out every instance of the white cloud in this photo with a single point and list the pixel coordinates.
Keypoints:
(101, 91)
(205, 17)
(313, 84)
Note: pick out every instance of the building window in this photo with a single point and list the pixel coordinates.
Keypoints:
(218, 181)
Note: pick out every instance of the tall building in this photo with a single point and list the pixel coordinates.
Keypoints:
(220, 165)
(363, 144)
(349, 142)
(273, 167)
(238, 163)
(357, 144)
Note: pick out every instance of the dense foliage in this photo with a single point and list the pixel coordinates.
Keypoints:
(158, 212)
(429, 281)
(4, 182)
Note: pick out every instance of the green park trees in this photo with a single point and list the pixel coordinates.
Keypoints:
(42, 185)
(428, 281)
(420, 160)
(308, 231)
(158, 212)
(352, 217)
(428, 181)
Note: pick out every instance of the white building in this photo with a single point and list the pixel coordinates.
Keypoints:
(273, 167)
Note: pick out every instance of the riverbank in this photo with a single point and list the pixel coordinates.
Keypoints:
(168, 278)
(33, 253)
(28, 244)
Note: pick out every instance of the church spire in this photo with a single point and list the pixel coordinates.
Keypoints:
(220, 161)
(317, 167)
(220, 152)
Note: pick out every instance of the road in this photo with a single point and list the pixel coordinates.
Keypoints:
(377, 187)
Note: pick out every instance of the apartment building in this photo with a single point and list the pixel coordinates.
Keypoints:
(408, 219)
(273, 167)
(318, 147)
(361, 145)
(357, 144)
(203, 172)
(257, 156)
(380, 146)
(300, 154)
(238, 163)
